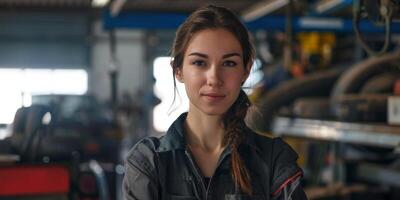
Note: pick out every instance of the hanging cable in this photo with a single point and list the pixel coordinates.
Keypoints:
(386, 12)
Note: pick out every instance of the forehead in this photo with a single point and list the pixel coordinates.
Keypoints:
(214, 41)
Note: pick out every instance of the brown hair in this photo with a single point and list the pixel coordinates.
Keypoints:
(213, 17)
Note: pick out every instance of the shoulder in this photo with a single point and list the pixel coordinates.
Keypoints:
(143, 154)
(144, 147)
(281, 159)
(283, 152)
(277, 150)
(284, 162)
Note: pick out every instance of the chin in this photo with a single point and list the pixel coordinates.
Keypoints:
(211, 110)
(214, 111)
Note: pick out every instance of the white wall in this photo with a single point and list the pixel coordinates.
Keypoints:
(130, 53)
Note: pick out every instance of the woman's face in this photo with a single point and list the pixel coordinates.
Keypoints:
(213, 71)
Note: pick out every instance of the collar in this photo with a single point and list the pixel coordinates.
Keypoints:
(175, 137)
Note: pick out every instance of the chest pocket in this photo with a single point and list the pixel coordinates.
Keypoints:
(243, 197)
(181, 188)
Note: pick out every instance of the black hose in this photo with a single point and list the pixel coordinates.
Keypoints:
(355, 77)
(315, 84)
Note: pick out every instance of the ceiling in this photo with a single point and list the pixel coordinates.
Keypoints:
(300, 7)
(36, 4)
(136, 5)
(184, 6)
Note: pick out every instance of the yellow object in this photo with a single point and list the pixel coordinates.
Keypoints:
(314, 43)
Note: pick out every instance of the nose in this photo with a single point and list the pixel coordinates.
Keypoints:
(214, 76)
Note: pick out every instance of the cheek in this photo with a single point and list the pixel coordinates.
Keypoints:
(193, 81)
(234, 80)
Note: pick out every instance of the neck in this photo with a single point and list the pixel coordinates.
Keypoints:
(204, 131)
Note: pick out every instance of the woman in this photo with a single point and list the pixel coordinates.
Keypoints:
(209, 153)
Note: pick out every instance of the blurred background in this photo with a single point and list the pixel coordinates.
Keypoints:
(81, 81)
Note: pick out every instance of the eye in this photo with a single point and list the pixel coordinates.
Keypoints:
(229, 63)
(199, 63)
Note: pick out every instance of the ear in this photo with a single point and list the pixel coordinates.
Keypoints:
(247, 71)
(179, 75)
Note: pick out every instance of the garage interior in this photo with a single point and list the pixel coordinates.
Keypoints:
(81, 81)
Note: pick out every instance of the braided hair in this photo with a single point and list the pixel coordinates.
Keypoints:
(235, 127)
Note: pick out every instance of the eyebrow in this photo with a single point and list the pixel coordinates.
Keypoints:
(206, 56)
(198, 54)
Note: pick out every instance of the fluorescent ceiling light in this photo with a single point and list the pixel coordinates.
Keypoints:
(327, 5)
(116, 7)
(99, 3)
(262, 8)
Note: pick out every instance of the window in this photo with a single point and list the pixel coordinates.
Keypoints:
(166, 112)
(18, 85)
(256, 75)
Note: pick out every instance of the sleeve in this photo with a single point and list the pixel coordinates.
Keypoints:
(140, 182)
(286, 173)
(292, 191)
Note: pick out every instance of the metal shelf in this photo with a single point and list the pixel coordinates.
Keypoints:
(359, 133)
(379, 174)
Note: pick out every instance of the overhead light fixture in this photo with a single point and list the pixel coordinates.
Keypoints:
(99, 3)
(326, 6)
(116, 7)
(262, 8)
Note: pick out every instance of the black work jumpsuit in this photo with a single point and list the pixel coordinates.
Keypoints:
(163, 169)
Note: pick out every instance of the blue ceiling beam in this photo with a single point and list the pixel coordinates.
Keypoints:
(142, 20)
(327, 24)
(146, 20)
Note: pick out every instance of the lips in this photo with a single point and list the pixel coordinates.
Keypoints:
(213, 97)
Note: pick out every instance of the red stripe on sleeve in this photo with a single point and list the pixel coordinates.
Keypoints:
(287, 182)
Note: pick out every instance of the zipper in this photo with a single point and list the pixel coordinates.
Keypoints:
(197, 174)
(224, 153)
(205, 190)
